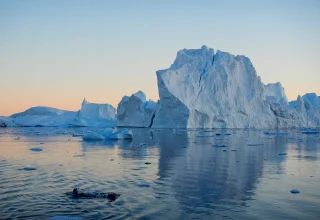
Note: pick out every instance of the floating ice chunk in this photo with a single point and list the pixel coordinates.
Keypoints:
(223, 134)
(64, 218)
(29, 168)
(143, 185)
(77, 135)
(295, 191)
(36, 149)
(120, 135)
(282, 154)
(216, 145)
(106, 132)
(93, 136)
(310, 132)
(254, 145)
(275, 133)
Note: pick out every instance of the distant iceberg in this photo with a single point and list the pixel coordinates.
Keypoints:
(94, 115)
(136, 111)
(90, 114)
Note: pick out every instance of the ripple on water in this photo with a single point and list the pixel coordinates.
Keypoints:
(184, 179)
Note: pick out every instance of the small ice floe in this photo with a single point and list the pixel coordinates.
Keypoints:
(307, 157)
(106, 132)
(120, 135)
(77, 135)
(143, 185)
(282, 154)
(93, 136)
(295, 191)
(29, 168)
(109, 134)
(219, 145)
(36, 149)
(223, 134)
(252, 145)
(310, 132)
(204, 136)
(64, 218)
(275, 133)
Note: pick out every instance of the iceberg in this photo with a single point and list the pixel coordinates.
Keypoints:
(90, 114)
(94, 115)
(307, 108)
(93, 136)
(7, 122)
(120, 135)
(109, 134)
(204, 89)
(42, 117)
(136, 111)
(274, 93)
(208, 89)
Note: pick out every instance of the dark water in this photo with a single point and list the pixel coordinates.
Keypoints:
(192, 175)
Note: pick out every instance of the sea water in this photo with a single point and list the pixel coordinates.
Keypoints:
(160, 174)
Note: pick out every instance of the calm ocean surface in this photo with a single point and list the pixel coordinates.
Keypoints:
(193, 174)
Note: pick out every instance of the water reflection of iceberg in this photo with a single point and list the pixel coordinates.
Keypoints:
(204, 178)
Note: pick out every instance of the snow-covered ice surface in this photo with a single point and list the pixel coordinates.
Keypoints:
(208, 89)
(160, 174)
(136, 111)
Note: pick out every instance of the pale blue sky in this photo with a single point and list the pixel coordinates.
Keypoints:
(55, 53)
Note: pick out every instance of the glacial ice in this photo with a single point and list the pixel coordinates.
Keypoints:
(94, 115)
(120, 135)
(93, 136)
(136, 111)
(204, 89)
(90, 114)
(109, 134)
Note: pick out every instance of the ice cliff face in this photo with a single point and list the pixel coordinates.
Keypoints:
(97, 115)
(97, 111)
(274, 93)
(136, 111)
(204, 89)
(308, 107)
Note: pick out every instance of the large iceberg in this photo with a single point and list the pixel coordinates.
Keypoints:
(204, 89)
(96, 115)
(136, 111)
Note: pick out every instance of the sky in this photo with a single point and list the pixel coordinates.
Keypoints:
(56, 53)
